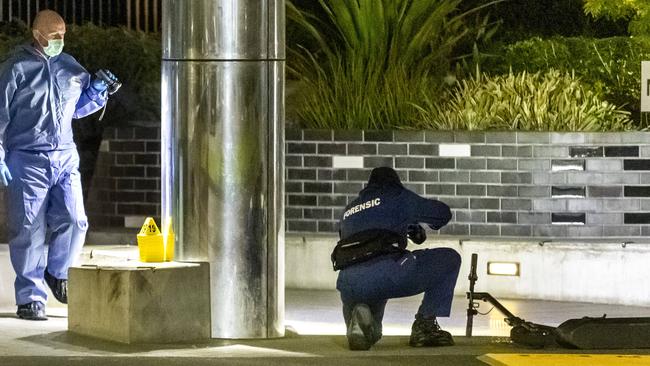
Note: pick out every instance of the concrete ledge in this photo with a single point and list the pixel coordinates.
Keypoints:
(599, 271)
(136, 302)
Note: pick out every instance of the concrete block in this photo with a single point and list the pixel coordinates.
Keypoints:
(604, 191)
(469, 136)
(392, 149)
(567, 137)
(332, 149)
(635, 137)
(485, 177)
(470, 190)
(140, 302)
(621, 204)
(408, 136)
(550, 151)
(362, 149)
(347, 162)
(620, 178)
(502, 164)
(533, 137)
(520, 177)
(378, 135)
(622, 231)
(469, 216)
(644, 151)
(549, 205)
(483, 230)
(516, 204)
(604, 164)
(603, 137)
(377, 161)
(534, 218)
(455, 229)
(549, 177)
(415, 187)
(470, 164)
(502, 191)
(589, 205)
(484, 203)
(410, 162)
(534, 164)
(348, 135)
(534, 191)
(301, 148)
(453, 150)
(423, 149)
(423, 176)
(439, 136)
(595, 219)
(502, 217)
(584, 231)
(317, 135)
(500, 137)
(440, 163)
(486, 150)
(454, 176)
(441, 189)
(516, 230)
(518, 151)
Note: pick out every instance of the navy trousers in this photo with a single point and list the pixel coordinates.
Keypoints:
(373, 282)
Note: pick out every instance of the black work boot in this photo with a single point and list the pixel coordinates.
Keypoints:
(59, 287)
(34, 310)
(426, 332)
(362, 331)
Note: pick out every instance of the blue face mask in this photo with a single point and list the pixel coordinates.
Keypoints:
(54, 46)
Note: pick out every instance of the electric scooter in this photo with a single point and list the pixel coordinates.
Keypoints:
(582, 333)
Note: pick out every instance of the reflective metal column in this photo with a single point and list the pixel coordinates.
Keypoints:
(222, 154)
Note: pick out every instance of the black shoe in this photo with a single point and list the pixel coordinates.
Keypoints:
(34, 310)
(59, 287)
(426, 332)
(362, 331)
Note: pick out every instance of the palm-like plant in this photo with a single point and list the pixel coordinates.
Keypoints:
(374, 59)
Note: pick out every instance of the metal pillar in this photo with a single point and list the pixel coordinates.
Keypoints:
(222, 154)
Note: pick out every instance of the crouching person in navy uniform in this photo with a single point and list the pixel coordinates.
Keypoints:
(375, 265)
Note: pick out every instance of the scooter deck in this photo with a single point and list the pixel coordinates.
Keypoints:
(604, 333)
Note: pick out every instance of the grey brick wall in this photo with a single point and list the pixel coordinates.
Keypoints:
(520, 184)
(127, 177)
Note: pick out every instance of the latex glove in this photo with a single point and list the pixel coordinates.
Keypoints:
(111, 75)
(416, 233)
(99, 85)
(5, 175)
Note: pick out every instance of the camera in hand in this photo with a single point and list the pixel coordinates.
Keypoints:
(110, 80)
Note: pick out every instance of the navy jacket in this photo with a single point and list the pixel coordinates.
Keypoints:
(390, 208)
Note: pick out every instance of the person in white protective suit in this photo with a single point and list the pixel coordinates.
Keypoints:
(41, 90)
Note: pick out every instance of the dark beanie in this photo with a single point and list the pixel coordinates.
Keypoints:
(384, 176)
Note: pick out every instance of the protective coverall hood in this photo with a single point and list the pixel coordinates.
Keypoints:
(383, 177)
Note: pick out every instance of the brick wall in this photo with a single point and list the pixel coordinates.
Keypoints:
(126, 184)
(523, 184)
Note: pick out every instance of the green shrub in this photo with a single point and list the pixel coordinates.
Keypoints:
(373, 59)
(611, 66)
(551, 101)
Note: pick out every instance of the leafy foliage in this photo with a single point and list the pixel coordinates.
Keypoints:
(551, 101)
(610, 66)
(373, 58)
(637, 10)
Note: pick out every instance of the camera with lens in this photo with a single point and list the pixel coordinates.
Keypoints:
(110, 80)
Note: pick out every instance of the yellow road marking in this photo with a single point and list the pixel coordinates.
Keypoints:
(514, 359)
